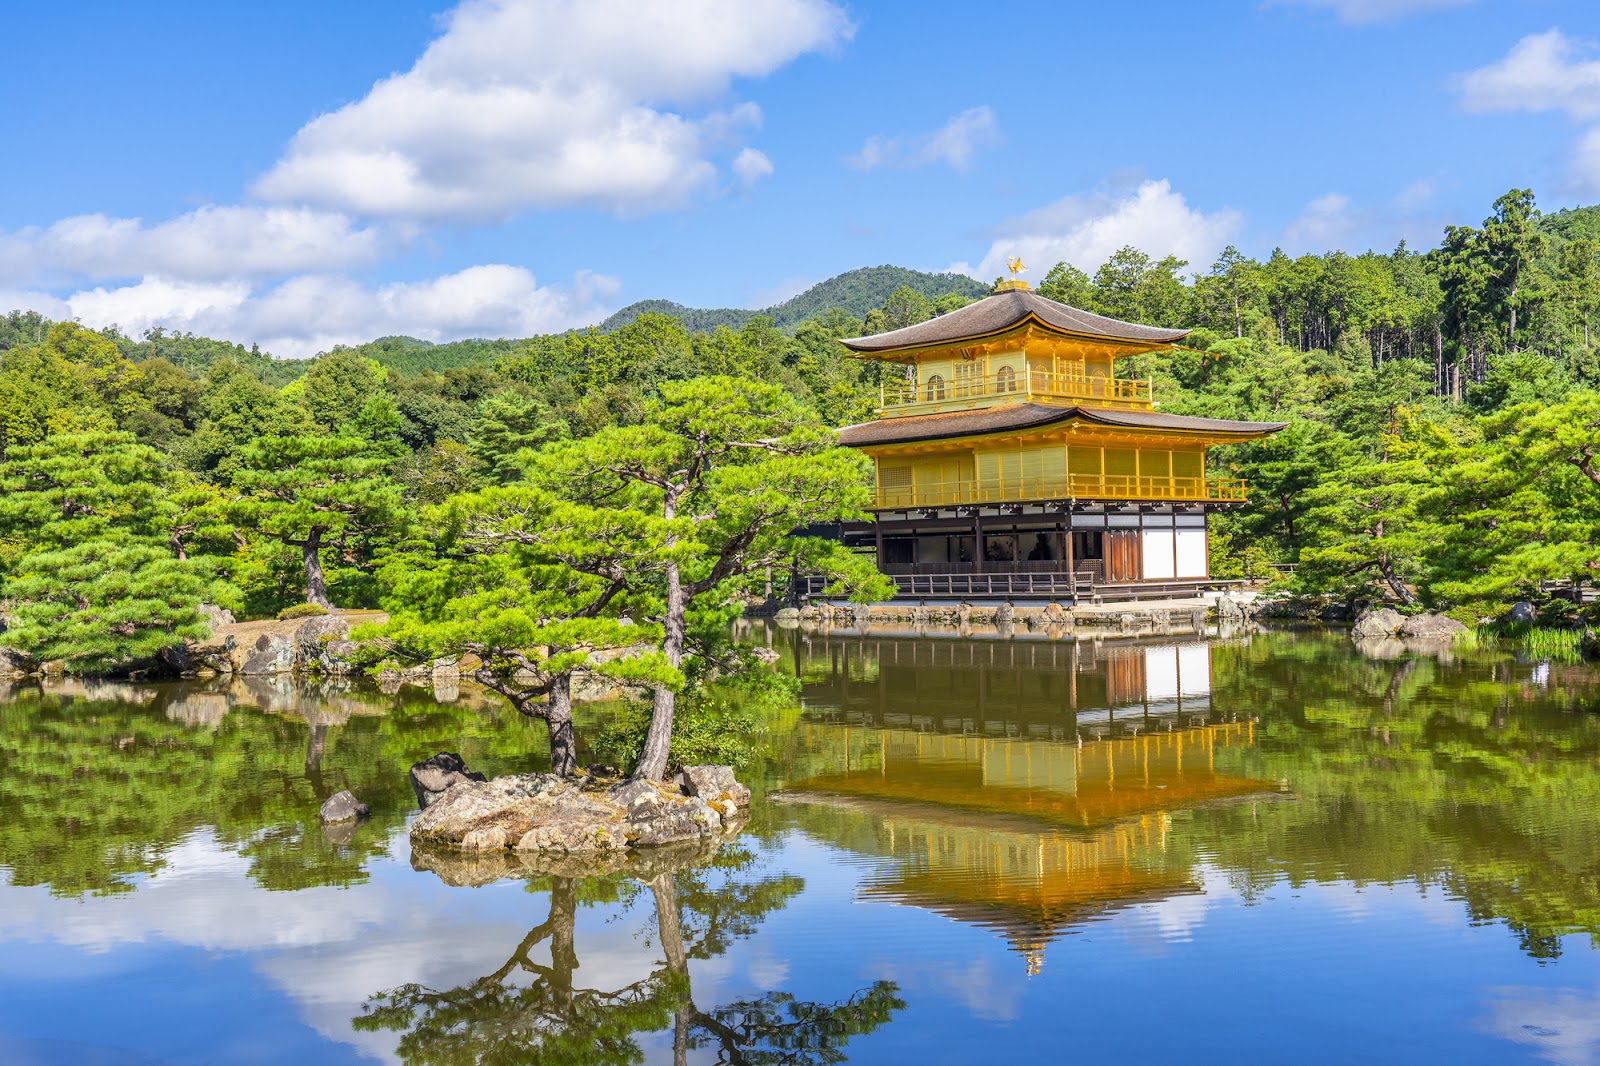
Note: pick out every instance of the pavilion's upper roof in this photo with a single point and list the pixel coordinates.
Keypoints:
(1019, 416)
(1006, 310)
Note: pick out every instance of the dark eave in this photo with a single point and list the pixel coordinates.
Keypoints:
(1004, 311)
(1009, 418)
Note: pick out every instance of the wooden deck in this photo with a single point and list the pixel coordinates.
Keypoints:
(1035, 585)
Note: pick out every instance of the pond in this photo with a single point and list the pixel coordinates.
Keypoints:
(1268, 848)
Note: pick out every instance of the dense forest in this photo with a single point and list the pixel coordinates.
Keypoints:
(1441, 449)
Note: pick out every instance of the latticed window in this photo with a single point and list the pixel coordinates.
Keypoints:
(894, 482)
(1005, 380)
(966, 379)
(935, 388)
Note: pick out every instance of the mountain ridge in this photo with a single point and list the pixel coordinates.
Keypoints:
(854, 292)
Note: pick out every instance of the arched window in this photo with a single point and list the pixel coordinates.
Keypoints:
(1005, 380)
(1098, 380)
(935, 388)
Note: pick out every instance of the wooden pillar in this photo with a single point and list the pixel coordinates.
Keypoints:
(1173, 518)
(877, 530)
(977, 544)
(1072, 567)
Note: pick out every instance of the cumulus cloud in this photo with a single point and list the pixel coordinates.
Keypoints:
(953, 144)
(1542, 72)
(1546, 72)
(554, 104)
(309, 313)
(1086, 230)
(750, 166)
(1366, 12)
(207, 244)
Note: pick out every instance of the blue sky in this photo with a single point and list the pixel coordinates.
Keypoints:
(300, 174)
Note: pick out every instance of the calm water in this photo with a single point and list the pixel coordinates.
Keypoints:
(1264, 850)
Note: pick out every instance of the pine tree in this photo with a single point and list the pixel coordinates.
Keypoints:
(98, 584)
(316, 494)
(725, 471)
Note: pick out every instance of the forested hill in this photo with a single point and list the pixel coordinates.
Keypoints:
(854, 292)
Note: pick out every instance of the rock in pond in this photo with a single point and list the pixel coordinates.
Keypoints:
(1384, 622)
(582, 815)
(1430, 627)
(1228, 612)
(1522, 611)
(14, 664)
(343, 807)
(272, 653)
(431, 777)
(713, 783)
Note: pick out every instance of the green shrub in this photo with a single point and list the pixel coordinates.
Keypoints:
(301, 610)
(726, 724)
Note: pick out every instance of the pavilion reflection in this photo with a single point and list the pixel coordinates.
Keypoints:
(1056, 690)
(1024, 789)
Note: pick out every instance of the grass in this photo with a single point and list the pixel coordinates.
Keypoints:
(1539, 642)
(1562, 644)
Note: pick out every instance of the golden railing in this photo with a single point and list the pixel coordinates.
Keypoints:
(939, 393)
(1073, 486)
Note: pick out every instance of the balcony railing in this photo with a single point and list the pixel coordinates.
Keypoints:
(1070, 487)
(940, 394)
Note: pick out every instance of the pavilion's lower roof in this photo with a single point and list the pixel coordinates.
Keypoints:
(1009, 418)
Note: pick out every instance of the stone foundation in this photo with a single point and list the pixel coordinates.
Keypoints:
(1051, 620)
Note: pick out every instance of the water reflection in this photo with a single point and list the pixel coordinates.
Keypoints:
(973, 833)
(535, 1007)
(970, 764)
(1024, 788)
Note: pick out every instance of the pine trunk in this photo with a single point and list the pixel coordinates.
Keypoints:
(563, 742)
(658, 741)
(316, 586)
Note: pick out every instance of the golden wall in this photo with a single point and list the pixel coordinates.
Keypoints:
(1043, 470)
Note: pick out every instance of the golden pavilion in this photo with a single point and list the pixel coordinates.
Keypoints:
(1012, 460)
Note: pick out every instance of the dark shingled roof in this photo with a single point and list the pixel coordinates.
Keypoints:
(1010, 417)
(1002, 311)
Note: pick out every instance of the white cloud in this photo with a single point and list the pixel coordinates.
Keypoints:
(1561, 1024)
(1333, 221)
(953, 144)
(1086, 230)
(1546, 72)
(750, 166)
(313, 312)
(1366, 12)
(1325, 224)
(1542, 72)
(560, 103)
(1585, 170)
(206, 244)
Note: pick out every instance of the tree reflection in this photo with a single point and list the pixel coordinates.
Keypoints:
(775, 1030)
(528, 1011)
(101, 780)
